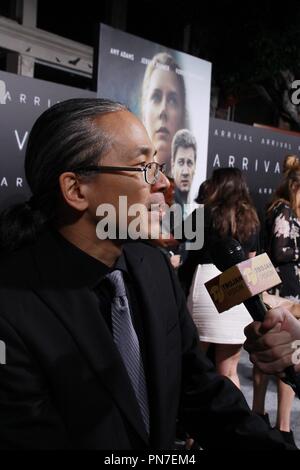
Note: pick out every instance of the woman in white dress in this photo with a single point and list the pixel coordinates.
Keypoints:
(228, 212)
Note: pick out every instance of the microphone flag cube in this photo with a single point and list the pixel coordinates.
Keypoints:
(242, 281)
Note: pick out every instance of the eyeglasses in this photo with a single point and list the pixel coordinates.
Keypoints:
(151, 170)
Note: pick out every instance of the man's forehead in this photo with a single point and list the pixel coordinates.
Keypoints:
(185, 152)
(113, 119)
(127, 133)
(123, 120)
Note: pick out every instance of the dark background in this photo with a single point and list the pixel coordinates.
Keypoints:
(250, 43)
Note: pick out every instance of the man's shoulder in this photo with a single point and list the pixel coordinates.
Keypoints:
(15, 260)
(16, 271)
(150, 258)
(141, 248)
(147, 254)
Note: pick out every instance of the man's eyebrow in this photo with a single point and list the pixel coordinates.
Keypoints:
(147, 151)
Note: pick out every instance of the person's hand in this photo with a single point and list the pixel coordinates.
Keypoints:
(272, 344)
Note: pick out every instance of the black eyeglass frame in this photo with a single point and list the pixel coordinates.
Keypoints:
(161, 167)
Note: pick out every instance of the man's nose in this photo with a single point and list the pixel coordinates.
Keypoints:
(162, 184)
(185, 170)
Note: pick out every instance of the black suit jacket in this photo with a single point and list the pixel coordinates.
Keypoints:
(64, 385)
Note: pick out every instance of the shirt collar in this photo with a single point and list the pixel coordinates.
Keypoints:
(86, 269)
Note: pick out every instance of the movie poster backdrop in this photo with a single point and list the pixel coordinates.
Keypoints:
(258, 151)
(170, 92)
(22, 100)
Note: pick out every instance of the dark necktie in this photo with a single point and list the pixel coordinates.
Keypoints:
(127, 342)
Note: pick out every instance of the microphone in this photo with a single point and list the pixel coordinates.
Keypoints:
(228, 252)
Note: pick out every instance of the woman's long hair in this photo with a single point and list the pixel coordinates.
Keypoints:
(231, 207)
(287, 192)
(290, 162)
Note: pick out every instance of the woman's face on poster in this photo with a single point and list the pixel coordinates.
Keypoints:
(163, 111)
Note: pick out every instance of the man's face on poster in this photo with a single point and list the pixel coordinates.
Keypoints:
(184, 165)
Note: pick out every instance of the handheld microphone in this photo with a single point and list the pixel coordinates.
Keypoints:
(228, 252)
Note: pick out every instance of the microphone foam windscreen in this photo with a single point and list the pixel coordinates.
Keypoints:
(226, 252)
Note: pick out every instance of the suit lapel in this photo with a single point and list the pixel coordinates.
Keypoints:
(80, 315)
(57, 285)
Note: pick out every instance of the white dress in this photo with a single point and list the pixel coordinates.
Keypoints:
(214, 327)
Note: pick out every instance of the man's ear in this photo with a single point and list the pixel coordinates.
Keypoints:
(72, 191)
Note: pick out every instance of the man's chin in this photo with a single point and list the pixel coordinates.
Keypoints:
(157, 203)
(156, 198)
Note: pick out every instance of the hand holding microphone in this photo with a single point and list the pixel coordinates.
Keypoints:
(274, 344)
(270, 337)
